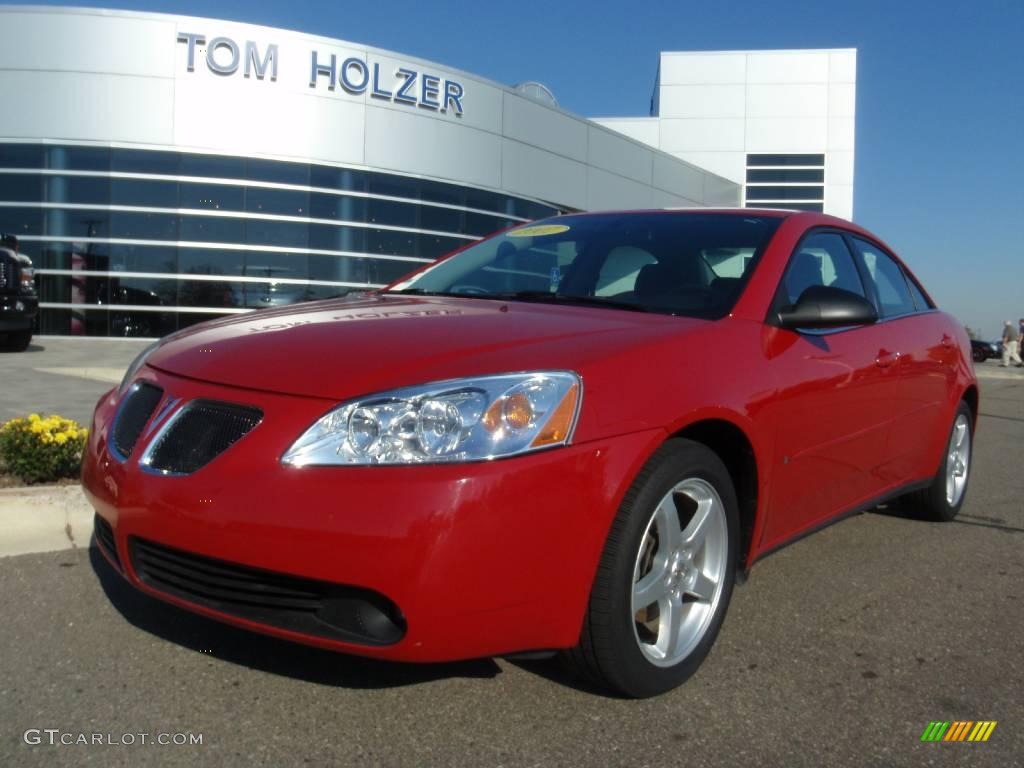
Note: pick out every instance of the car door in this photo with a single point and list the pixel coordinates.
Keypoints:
(833, 407)
(924, 369)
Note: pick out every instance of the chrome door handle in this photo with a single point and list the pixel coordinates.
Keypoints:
(886, 358)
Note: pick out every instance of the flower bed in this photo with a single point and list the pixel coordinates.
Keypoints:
(40, 449)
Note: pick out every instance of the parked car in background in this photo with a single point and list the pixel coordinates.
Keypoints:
(572, 436)
(19, 303)
(985, 350)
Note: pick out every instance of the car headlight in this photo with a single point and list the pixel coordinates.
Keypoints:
(137, 363)
(471, 419)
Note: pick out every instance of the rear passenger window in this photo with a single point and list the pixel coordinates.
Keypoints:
(890, 283)
(920, 301)
(821, 259)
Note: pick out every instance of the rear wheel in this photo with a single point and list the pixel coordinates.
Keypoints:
(665, 577)
(941, 501)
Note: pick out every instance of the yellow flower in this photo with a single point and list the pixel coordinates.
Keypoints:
(37, 428)
(33, 417)
(61, 438)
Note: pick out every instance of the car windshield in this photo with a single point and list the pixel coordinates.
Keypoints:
(691, 264)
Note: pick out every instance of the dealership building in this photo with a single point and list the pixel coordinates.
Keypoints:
(162, 170)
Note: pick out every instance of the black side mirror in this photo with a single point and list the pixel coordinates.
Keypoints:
(822, 306)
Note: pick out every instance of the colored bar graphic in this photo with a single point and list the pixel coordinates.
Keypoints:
(959, 730)
(934, 731)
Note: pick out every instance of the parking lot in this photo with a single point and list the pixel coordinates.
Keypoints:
(839, 650)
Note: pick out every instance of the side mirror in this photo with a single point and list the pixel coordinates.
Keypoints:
(822, 306)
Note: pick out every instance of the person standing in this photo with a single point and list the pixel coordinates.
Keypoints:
(1011, 343)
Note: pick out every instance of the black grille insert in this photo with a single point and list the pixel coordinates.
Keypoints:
(105, 539)
(307, 606)
(138, 405)
(199, 433)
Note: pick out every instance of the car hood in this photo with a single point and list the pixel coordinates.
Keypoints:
(340, 349)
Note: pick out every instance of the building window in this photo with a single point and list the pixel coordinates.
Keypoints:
(130, 242)
(795, 182)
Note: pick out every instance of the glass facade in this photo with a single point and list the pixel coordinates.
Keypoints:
(796, 182)
(141, 242)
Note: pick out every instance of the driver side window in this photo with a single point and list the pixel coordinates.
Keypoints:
(820, 259)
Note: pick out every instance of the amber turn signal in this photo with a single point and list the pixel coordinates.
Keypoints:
(556, 430)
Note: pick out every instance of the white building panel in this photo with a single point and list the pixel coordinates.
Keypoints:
(702, 101)
(787, 67)
(644, 129)
(702, 135)
(702, 68)
(842, 100)
(418, 143)
(97, 42)
(607, 191)
(718, 192)
(787, 100)
(839, 200)
(678, 179)
(730, 165)
(526, 170)
(842, 66)
(541, 126)
(839, 167)
(615, 153)
(73, 106)
(840, 133)
(797, 135)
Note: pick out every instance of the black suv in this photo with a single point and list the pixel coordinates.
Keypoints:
(19, 304)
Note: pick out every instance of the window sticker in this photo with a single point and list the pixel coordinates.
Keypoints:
(538, 230)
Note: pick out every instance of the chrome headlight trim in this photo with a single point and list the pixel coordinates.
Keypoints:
(477, 418)
(136, 364)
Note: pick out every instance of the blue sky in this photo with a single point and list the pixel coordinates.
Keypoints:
(940, 102)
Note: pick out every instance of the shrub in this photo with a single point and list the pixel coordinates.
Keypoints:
(39, 450)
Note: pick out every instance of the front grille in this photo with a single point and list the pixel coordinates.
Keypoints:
(307, 606)
(138, 406)
(199, 433)
(105, 539)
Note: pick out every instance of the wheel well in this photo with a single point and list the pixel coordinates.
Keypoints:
(734, 449)
(971, 398)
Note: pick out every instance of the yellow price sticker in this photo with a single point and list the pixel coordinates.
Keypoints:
(538, 230)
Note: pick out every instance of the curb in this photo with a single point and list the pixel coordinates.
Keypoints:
(44, 518)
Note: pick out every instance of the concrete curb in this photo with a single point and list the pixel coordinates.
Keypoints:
(43, 518)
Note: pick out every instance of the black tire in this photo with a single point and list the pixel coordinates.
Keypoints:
(16, 341)
(979, 356)
(609, 652)
(931, 503)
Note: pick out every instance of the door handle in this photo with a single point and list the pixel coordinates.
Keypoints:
(886, 358)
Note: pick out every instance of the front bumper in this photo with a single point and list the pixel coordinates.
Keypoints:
(17, 312)
(478, 559)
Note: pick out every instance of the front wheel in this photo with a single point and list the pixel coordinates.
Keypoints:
(665, 577)
(16, 341)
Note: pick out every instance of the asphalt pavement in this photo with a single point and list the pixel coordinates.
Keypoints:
(839, 651)
(63, 375)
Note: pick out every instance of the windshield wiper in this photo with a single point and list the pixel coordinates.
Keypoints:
(568, 298)
(421, 292)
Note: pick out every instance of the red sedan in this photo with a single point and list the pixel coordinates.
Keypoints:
(571, 436)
